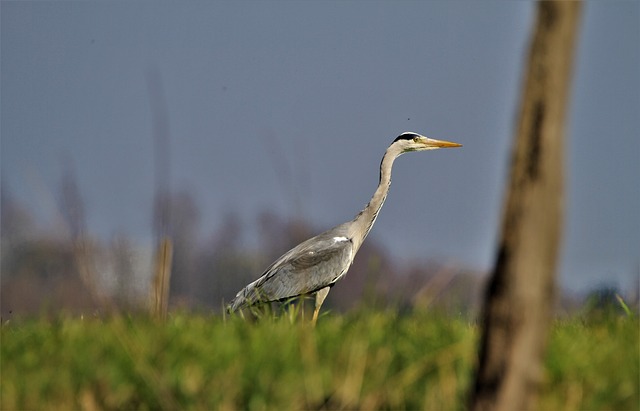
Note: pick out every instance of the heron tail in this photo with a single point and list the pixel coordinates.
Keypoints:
(245, 297)
(237, 303)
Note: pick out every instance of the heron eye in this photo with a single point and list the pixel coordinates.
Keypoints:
(416, 139)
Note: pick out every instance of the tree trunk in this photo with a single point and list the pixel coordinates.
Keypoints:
(520, 294)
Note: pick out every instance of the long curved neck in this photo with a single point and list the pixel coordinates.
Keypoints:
(363, 222)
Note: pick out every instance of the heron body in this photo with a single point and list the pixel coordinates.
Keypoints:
(314, 266)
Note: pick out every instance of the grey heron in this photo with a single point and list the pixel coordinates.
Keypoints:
(314, 266)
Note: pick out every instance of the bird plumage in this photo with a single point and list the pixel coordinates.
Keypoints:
(313, 266)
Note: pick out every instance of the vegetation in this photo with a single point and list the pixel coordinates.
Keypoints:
(362, 360)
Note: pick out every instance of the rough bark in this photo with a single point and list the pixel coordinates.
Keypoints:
(520, 294)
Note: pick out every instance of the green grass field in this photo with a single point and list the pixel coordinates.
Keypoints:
(362, 360)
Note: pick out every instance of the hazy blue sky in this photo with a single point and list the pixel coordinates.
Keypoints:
(320, 89)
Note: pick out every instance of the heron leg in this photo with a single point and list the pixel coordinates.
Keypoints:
(320, 296)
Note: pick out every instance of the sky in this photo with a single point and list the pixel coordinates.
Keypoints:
(289, 106)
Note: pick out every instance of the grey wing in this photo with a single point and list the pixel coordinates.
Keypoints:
(303, 270)
(310, 271)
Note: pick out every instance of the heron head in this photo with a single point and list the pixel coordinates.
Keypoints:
(409, 141)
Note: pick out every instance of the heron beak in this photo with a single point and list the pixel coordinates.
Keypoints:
(431, 143)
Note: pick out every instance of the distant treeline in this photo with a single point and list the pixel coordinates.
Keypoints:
(66, 268)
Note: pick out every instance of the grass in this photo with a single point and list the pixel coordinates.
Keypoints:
(363, 360)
